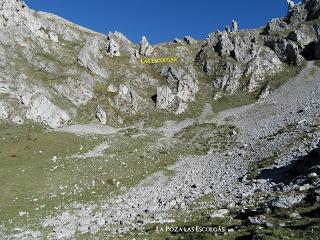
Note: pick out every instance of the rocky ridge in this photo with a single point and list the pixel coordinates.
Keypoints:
(235, 60)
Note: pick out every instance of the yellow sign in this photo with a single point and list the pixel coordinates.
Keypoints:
(158, 60)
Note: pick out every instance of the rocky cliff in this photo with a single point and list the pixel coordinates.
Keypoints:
(57, 73)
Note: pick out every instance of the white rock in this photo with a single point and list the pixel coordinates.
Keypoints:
(42, 110)
(145, 48)
(101, 115)
(113, 49)
(219, 213)
(53, 37)
(4, 110)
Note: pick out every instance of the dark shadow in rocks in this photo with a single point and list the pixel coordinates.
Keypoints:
(250, 237)
(300, 167)
(309, 51)
(312, 214)
(154, 98)
(302, 226)
(249, 213)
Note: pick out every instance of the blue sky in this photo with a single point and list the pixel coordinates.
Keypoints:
(163, 20)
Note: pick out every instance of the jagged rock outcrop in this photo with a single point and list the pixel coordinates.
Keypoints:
(189, 40)
(125, 45)
(244, 63)
(126, 99)
(177, 40)
(301, 38)
(234, 26)
(90, 54)
(306, 10)
(286, 50)
(227, 29)
(113, 49)
(291, 4)
(225, 45)
(181, 88)
(71, 63)
(145, 48)
(275, 25)
(101, 115)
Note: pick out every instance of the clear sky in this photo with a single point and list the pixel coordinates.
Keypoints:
(163, 20)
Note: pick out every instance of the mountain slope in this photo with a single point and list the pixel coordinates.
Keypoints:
(96, 144)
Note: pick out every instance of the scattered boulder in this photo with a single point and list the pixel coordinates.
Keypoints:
(145, 48)
(101, 115)
(112, 88)
(265, 92)
(257, 220)
(219, 213)
(287, 201)
(16, 119)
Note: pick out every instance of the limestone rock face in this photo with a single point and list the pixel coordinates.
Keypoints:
(126, 99)
(101, 115)
(4, 110)
(125, 45)
(301, 38)
(42, 110)
(181, 88)
(228, 77)
(78, 94)
(276, 24)
(286, 50)
(243, 57)
(145, 48)
(89, 56)
(265, 63)
(113, 48)
(225, 45)
(165, 98)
